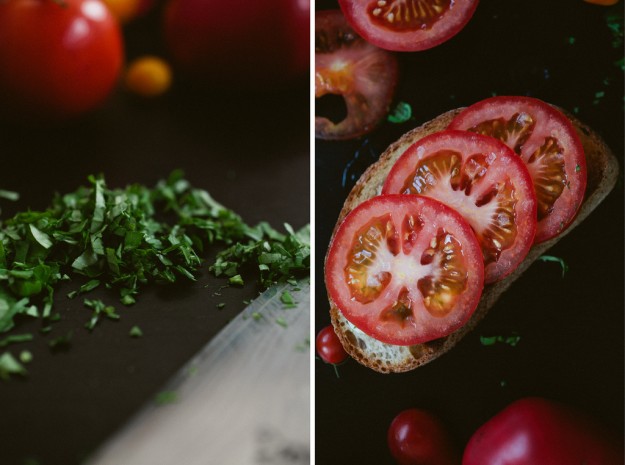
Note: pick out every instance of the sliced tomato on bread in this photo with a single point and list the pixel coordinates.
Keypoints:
(482, 179)
(546, 141)
(405, 269)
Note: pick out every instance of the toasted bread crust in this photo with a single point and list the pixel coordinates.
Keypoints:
(602, 171)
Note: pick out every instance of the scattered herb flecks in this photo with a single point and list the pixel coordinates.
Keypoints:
(492, 340)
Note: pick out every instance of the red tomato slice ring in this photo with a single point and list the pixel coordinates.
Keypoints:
(484, 181)
(405, 269)
(408, 25)
(548, 144)
(364, 75)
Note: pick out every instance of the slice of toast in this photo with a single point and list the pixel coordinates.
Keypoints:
(602, 170)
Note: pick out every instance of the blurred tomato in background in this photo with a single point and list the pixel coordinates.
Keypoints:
(250, 44)
(58, 58)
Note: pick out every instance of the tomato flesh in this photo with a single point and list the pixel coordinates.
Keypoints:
(405, 269)
(346, 65)
(484, 181)
(547, 143)
(408, 25)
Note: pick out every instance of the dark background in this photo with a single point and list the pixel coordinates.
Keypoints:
(571, 329)
(251, 152)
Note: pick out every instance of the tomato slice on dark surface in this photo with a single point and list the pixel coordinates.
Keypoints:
(548, 144)
(405, 269)
(484, 181)
(408, 25)
(362, 74)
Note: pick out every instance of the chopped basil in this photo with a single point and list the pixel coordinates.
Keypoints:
(118, 239)
(26, 356)
(166, 397)
(15, 338)
(135, 331)
(287, 299)
(9, 365)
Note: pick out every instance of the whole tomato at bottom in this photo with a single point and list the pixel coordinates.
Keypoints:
(536, 431)
(418, 437)
(248, 44)
(57, 58)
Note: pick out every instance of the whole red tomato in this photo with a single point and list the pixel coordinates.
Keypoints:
(535, 431)
(418, 437)
(250, 44)
(57, 58)
(329, 346)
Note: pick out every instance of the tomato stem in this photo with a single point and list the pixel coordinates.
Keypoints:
(61, 3)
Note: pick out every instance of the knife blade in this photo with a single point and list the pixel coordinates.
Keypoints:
(243, 399)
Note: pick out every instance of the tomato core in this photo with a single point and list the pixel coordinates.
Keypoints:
(443, 176)
(402, 15)
(545, 164)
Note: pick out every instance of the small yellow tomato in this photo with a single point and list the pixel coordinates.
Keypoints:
(123, 10)
(148, 76)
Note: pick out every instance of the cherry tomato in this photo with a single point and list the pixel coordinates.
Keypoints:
(123, 10)
(408, 25)
(547, 142)
(417, 437)
(481, 178)
(250, 44)
(364, 75)
(148, 76)
(57, 61)
(329, 347)
(535, 431)
(405, 269)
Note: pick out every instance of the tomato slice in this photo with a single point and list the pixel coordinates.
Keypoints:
(484, 181)
(408, 25)
(364, 75)
(548, 144)
(405, 269)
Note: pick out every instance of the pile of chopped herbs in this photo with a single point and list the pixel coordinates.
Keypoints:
(124, 239)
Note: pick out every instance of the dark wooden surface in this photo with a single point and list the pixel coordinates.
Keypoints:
(571, 329)
(251, 152)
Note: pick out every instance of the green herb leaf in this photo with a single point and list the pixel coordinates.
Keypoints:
(551, 258)
(9, 365)
(135, 331)
(401, 113)
(9, 195)
(166, 397)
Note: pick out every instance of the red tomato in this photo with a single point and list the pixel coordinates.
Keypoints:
(364, 75)
(245, 43)
(405, 269)
(535, 431)
(417, 437)
(408, 25)
(484, 181)
(548, 144)
(329, 347)
(57, 61)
